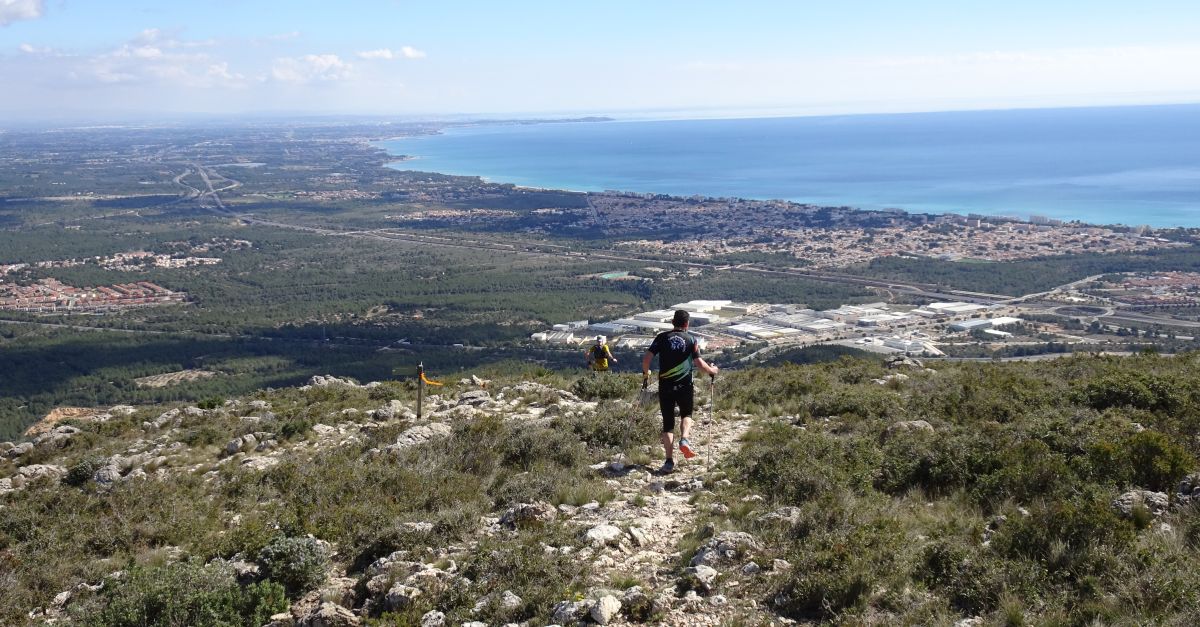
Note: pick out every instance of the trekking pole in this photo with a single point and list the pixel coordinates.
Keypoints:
(712, 395)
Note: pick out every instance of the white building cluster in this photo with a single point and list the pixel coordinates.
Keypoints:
(727, 323)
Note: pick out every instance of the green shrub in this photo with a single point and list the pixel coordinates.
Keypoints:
(835, 570)
(965, 576)
(1133, 389)
(1061, 533)
(937, 463)
(1155, 461)
(601, 386)
(617, 426)
(186, 593)
(790, 466)
(297, 563)
(82, 472)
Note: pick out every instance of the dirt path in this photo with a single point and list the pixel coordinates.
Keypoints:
(659, 509)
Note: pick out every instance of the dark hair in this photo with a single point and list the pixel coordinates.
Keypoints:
(681, 318)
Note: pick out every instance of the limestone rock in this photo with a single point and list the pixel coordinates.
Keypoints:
(907, 426)
(56, 437)
(393, 409)
(701, 577)
(1189, 488)
(724, 548)
(510, 601)
(417, 435)
(400, 597)
(605, 610)
(570, 612)
(321, 381)
(34, 472)
(107, 475)
(165, 419)
(604, 534)
(474, 398)
(329, 614)
(260, 463)
(433, 618)
(787, 515)
(1156, 503)
(533, 514)
(904, 361)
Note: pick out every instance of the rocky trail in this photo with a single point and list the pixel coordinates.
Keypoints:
(647, 549)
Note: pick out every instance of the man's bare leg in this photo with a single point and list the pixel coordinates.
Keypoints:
(668, 442)
(685, 431)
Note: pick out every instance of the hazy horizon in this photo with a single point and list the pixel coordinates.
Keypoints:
(86, 60)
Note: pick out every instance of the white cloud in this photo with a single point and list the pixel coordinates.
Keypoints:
(156, 57)
(309, 68)
(405, 52)
(15, 10)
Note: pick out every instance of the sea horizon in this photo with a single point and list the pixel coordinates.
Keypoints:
(1129, 165)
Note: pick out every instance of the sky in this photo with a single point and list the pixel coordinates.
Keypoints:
(150, 59)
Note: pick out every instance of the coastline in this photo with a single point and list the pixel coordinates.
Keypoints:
(1117, 196)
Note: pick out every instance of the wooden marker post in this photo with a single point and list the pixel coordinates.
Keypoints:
(420, 388)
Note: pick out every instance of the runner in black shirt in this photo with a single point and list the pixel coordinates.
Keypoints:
(678, 356)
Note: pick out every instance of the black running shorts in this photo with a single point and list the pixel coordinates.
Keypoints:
(671, 395)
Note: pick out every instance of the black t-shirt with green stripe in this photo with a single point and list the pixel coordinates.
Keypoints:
(676, 350)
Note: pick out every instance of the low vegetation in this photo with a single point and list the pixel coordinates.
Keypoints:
(976, 490)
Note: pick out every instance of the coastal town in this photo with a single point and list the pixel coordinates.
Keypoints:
(819, 237)
(825, 237)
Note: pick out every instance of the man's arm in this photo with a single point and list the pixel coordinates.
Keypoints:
(608, 352)
(704, 365)
(646, 359)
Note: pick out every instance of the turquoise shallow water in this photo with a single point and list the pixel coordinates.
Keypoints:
(1129, 165)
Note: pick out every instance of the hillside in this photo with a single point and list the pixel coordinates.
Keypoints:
(1063, 492)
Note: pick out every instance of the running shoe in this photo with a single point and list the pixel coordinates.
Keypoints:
(685, 447)
(667, 467)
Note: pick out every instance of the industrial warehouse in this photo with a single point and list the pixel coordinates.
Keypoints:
(720, 324)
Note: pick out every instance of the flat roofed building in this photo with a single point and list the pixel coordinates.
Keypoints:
(610, 328)
(658, 315)
(906, 345)
(695, 306)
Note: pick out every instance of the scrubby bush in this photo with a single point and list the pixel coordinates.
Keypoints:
(968, 578)
(936, 463)
(187, 593)
(791, 466)
(617, 426)
(297, 563)
(600, 386)
(83, 471)
(1133, 389)
(835, 569)
(1061, 534)
(1155, 461)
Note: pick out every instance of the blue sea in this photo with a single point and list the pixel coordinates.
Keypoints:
(1106, 165)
